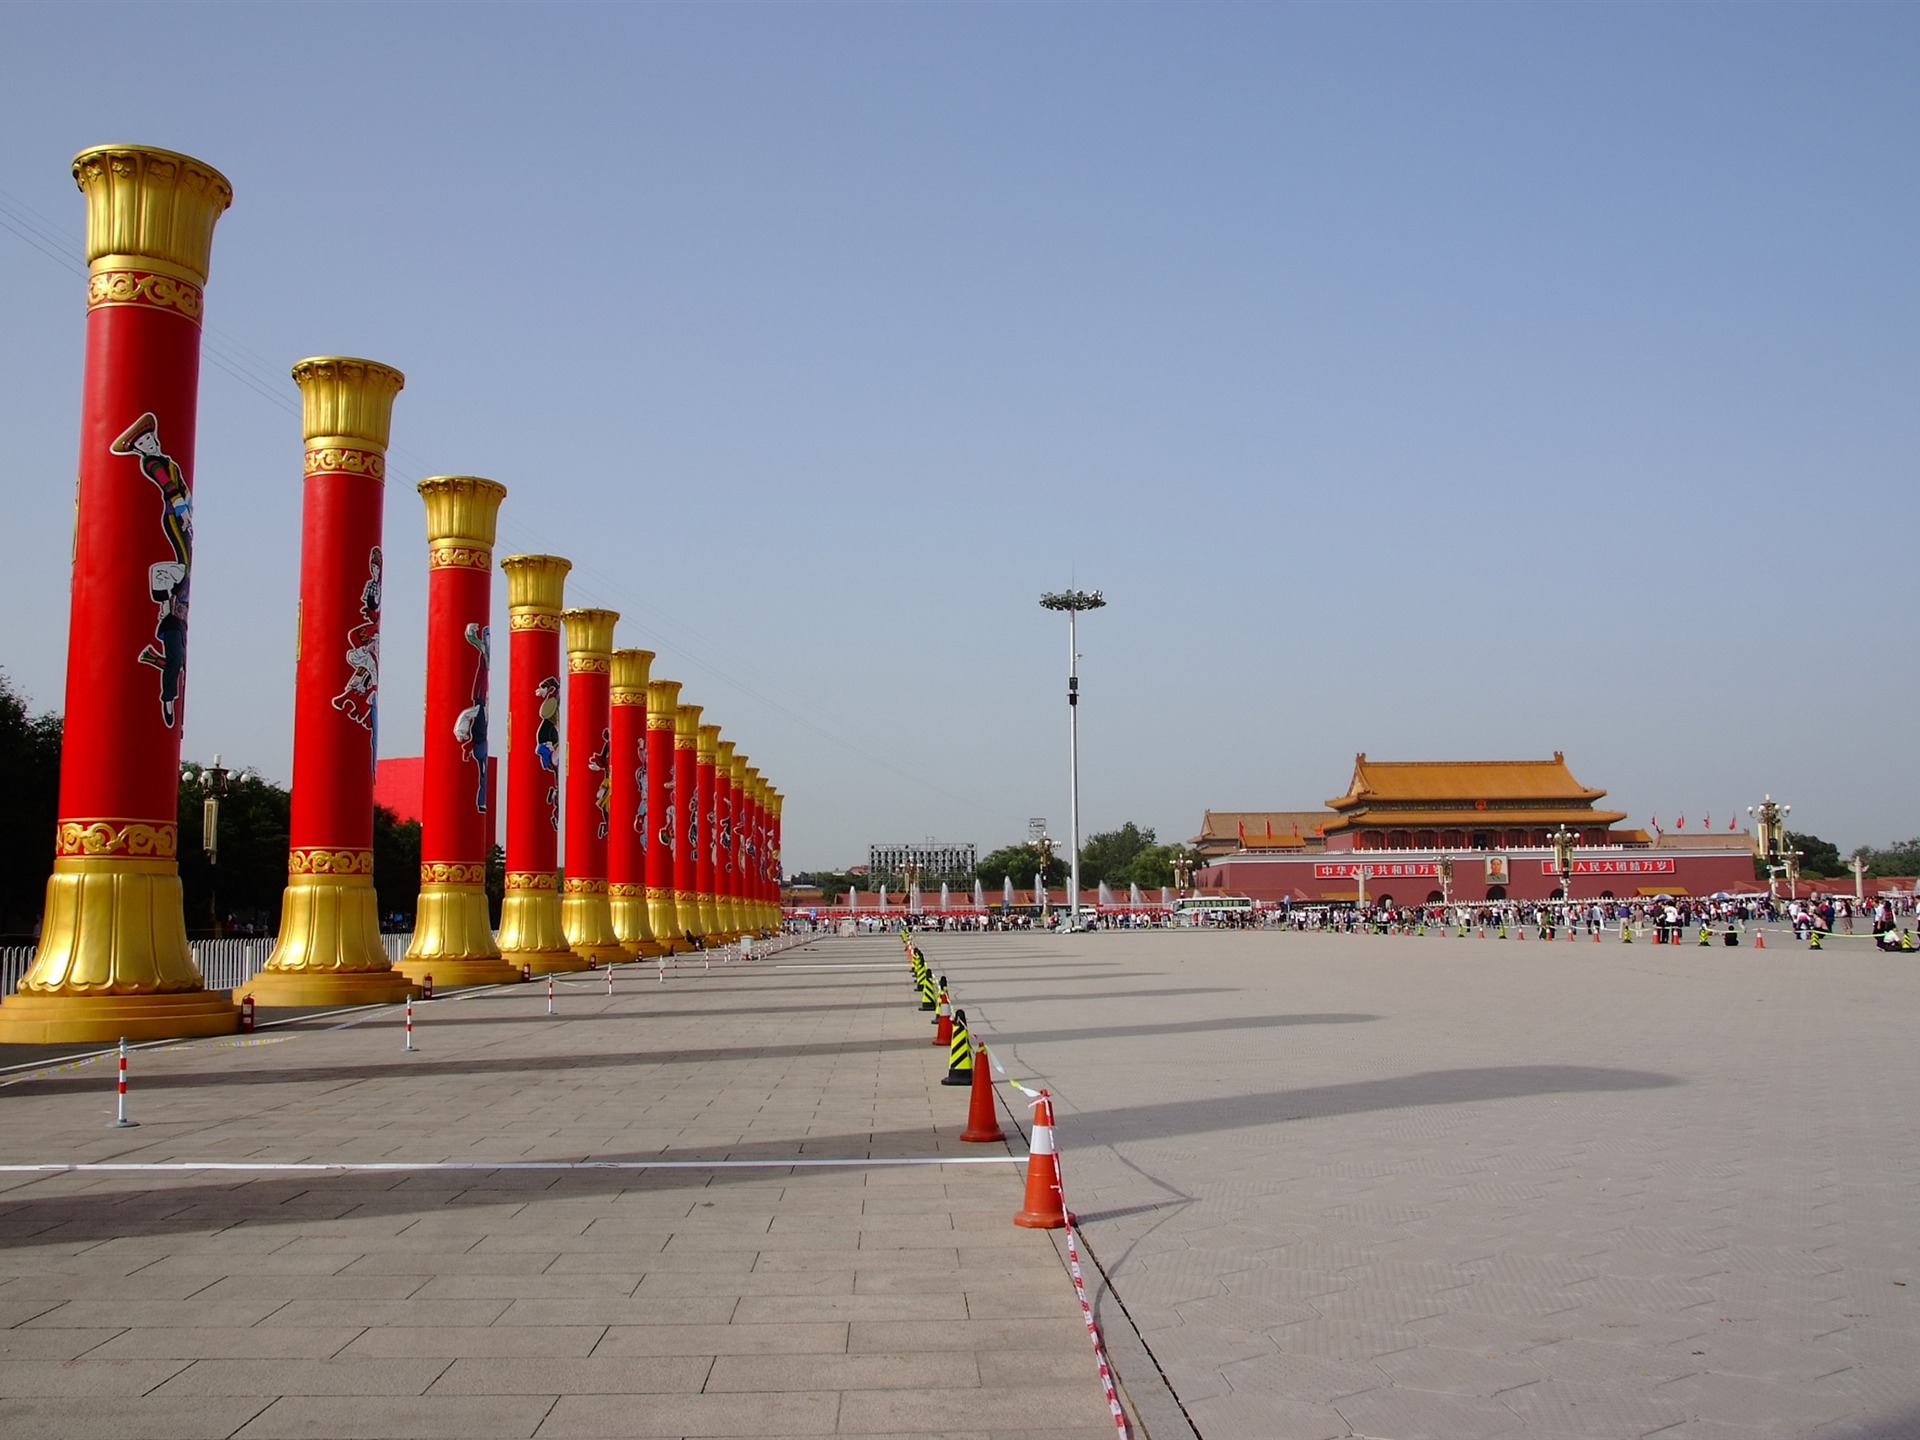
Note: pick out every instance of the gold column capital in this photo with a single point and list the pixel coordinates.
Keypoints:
(536, 583)
(663, 700)
(707, 740)
(686, 727)
(738, 771)
(151, 209)
(590, 631)
(723, 758)
(346, 401)
(630, 669)
(461, 509)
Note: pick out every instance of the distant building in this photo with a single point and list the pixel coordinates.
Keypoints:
(935, 859)
(1491, 820)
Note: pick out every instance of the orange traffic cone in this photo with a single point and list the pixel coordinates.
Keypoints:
(983, 1125)
(1759, 941)
(1046, 1207)
(943, 1021)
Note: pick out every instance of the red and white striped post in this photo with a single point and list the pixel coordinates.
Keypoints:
(120, 1121)
(549, 994)
(409, 1022)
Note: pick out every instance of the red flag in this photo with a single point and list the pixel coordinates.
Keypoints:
(1656, 824)
(1243, 834)
(1681, 823)
(1269, 827)
(1319, 829)
(1734, 824)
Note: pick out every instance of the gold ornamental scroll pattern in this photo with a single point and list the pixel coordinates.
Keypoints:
(530, 880)
(460, 557)
(124, 839)
(343, 460)
(443, 872)
(583, 886)
(578, 664)
(325, 860)
(142, 289)
(622, 889)
(534, 620)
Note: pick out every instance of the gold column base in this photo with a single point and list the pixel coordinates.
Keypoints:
(588, 919)
(531, 934)
(710, 925)
(337, 988)
(686, 917)
(113, 960)
(631, 923)
(102, 1019)
(663, 920)
(452, 939)
(329, 951)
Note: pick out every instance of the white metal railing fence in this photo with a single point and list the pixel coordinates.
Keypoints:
(224, 964)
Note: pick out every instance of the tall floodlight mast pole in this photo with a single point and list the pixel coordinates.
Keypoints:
(1073, 602)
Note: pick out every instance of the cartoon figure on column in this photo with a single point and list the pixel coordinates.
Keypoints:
(640, 789)
(665, 837)
(470, 725)
(600, 762)
(546, 742)
(167, 580)
(359, 699)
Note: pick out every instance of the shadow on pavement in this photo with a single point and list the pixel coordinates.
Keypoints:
(1357, 1097)
(181, 1204)
(1175, 1027)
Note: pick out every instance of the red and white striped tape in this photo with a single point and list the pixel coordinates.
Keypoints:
(1093, 1332)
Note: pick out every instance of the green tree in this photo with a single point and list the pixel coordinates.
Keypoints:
(29, 803)
(1900, 858)
(1153, 866)
(396, 867)
(1819, 859)
(244, 885)
(1021, 862)
(1109, 857)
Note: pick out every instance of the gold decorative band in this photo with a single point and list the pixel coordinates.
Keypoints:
(460, 557)
(657, 721)
(659, 892)
(629, 697)
(342, 459)
(534, 620)
(442, 872)
(583, 886)
(589, 665)
(530, 880)
(620, 889)
(143, 839)
(143, 288)
(323, 860)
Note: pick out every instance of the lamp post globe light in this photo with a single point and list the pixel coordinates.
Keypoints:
(1073, 602)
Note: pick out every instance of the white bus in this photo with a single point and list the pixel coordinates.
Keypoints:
(1207, 907)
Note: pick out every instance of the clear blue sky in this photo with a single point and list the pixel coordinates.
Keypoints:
(1436, 381)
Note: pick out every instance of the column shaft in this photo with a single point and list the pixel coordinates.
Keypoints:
(584, 907)
(453, 935)
(627, 806)
(688, 838)
(707, 857)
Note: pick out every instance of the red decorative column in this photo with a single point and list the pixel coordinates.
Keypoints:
(756, 855)
(452, 934)
(329, 951)
(113, 958)
(627, 805)
(688, 838)
(531, 934)
(707, 856)
(663, 920)
(724, 820)
(584, 908)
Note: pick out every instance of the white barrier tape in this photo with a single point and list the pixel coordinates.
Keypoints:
(392, 1166)
(1093, 1334)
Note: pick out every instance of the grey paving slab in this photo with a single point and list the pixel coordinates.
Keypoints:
(1538, 1190)
(489, 1301)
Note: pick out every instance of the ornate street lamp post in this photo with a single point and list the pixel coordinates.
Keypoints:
(1073, 602)
(1563, 841)
(1778, 855)
(1444, 869)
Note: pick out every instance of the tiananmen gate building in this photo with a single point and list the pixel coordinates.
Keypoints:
(1491, 818)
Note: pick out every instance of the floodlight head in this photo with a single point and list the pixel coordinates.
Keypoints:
(1073, 600)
